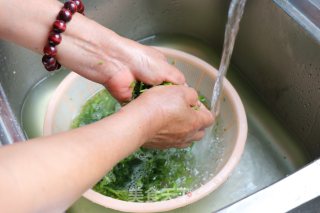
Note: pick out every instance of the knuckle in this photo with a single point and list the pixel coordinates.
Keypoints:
(209, 118)
(199, 135)
(194, 126)
(155, 79)
(193, 93)
(206, 115)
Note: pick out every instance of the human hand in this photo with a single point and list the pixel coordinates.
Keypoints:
(177, 118)
(114, 61)
(145, 64)
(87, 47)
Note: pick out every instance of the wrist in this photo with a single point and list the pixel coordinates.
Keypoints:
(146, 115)
(89, 49)
(85, 45)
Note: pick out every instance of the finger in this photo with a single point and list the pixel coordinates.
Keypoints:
(173, 75)
(198, 136)
(120, 86)
(157, 72)
(151, 78)
(191, 96)
(204, 117)
(168, 71)
(150, 71)
(121, 94)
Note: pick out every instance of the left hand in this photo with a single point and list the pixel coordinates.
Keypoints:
(102, 56)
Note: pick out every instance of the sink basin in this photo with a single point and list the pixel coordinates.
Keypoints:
(275, 69)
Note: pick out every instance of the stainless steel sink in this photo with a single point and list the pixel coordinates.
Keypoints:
(275, 68)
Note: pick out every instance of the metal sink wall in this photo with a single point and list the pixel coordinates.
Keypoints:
(277, 56)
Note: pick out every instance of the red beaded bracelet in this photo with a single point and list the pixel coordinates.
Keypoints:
(59, 26)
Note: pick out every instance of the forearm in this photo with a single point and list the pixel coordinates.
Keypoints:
(86, 47)
(48, 174)
(27, 23)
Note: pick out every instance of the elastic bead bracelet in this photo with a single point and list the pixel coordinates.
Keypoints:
(59, 26)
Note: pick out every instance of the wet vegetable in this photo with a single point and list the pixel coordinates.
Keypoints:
(140, 87)
(146, 175)
(150, 175)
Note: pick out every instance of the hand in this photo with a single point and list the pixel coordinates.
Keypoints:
(87, 47)
(116, 62)
(174, 119)
(143, 63)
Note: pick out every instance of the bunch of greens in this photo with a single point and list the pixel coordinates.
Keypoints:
(140, 87)
(150, 175)
(99, 106)
(146, 175)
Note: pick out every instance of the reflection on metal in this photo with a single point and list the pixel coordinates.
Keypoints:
(306, 13)
(284, 195)
(10, 130)
(315, 3)
(309, 8)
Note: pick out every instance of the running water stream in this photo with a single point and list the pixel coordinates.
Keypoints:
(234, 16)
(213, 139)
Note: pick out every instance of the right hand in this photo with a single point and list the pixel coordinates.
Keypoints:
(174, 119)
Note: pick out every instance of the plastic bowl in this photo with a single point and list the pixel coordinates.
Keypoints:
(75, 90)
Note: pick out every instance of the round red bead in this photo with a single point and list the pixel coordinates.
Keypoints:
(54, 38)
(59, 26)
(64, 15)
(80, 5)
(50, 50)
(50, 63)
(71, 6)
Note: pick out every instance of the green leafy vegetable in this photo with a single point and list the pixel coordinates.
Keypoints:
(96, 108)
(140, 87)
(146, 175)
